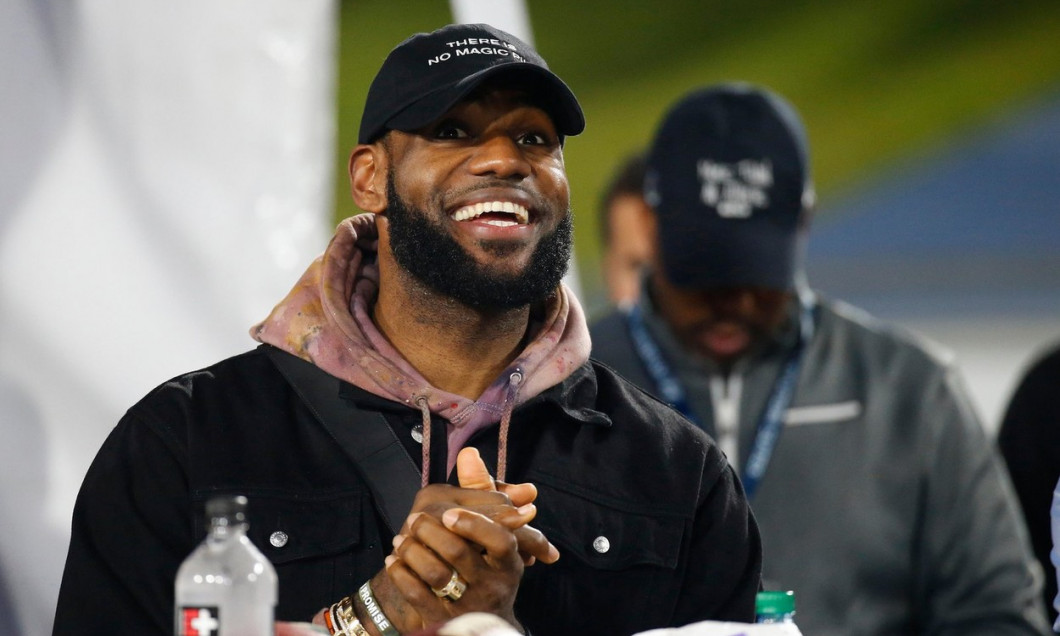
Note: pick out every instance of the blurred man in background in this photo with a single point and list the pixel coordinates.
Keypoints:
(882, 504)
(626, 227)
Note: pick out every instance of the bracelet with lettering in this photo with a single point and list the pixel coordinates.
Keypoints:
(382, 623)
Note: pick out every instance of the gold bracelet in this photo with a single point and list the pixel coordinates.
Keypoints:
(336, 625)
(344, 610)
(356, 629)
(341, 620)
(353, 624)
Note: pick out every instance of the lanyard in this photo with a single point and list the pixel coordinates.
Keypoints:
(769, 427)
(670, 389)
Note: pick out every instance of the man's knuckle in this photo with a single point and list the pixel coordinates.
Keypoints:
(510, 543)
(451, 552)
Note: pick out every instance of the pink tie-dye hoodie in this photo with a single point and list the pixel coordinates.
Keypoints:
(326, 319)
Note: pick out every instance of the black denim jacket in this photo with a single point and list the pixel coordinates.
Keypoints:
(650, 520)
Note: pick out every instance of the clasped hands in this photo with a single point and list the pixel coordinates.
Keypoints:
(477, 535)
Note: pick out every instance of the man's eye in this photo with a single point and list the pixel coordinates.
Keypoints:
(534, 139)
(450, 131)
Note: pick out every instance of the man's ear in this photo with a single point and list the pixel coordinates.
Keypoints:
(809, 207)
(805, 217)
(368, 177)
(650, 223)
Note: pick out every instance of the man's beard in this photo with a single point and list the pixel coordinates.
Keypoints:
(424, 249)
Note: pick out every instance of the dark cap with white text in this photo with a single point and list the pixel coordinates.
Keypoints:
(427, 74)
(729, 179)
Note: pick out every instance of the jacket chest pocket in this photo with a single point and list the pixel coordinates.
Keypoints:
(320, 544)
(618, 571)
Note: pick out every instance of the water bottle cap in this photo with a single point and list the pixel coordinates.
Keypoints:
(775, 602)
(231, 506)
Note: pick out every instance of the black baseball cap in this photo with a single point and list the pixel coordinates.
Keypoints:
(427, 74)
(729, 178)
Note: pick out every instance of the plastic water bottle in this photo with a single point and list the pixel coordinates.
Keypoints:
(775, 607)
(226, 586)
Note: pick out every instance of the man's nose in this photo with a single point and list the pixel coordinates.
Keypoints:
(502, 157)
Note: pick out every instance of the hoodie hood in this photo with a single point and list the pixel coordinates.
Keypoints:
(326, 319)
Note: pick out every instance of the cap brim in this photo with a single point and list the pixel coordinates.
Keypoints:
(753, 255)
(544, 86)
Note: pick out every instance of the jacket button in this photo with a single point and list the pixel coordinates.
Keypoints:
(417, 433)
(601, 544)
(278, 539)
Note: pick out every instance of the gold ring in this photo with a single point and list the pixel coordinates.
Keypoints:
(453, 590)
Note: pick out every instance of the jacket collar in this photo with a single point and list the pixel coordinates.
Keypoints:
(573, 397)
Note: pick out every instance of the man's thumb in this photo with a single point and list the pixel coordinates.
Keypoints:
(472, 472)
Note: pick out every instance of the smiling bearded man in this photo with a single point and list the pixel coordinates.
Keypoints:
(450, 270)
(430, 348)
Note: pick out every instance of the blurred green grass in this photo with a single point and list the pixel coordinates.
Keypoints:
(874, 81)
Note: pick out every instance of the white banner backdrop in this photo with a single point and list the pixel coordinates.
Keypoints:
(506, 15)
(164, 178)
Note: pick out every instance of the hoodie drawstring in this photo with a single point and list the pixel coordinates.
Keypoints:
(425, 462)
(515, 380)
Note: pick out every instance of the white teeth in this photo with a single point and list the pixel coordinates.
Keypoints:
(468, 212)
